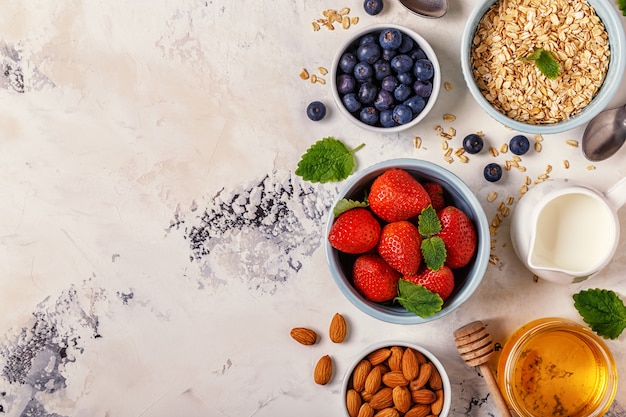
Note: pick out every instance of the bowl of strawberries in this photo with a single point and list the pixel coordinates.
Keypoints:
(407, 241)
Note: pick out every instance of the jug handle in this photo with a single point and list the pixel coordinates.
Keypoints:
(616, 195)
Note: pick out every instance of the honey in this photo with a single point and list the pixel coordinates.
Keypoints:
(555, 367)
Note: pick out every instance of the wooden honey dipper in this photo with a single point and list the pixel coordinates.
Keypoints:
(475, 346)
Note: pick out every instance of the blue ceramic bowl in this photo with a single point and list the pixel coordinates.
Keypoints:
(458, 194)
(617, 43)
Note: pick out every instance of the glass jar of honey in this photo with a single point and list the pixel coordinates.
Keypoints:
(556, 367)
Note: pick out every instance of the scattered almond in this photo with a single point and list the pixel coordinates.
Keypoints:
(323, 370)
(304, 335)
(337, 330)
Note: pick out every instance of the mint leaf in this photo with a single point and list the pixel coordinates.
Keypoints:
(417, 299)
(345, 204)
(327, 160)
(602, 310)
(545, 62)
(622, 6)
(434, 252)
(428, 223)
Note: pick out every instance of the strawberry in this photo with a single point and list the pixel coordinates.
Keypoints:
(374, 278)
(458, 235)
(355, 231)
(399, 246)
(440, 281)
(435, 191)
(395, 195)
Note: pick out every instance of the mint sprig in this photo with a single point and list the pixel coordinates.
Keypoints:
(417, 299)
(433, 248)
(622, 6)
(327, 160)
(345, 204)
(602, 310)
(545, 63)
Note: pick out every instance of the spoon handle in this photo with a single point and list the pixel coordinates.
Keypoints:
(490, 379)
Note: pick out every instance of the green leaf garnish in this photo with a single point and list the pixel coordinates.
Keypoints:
(345, 204)
(428, 223)
(602, 310)
(622, 6)
(434, 252)
(327, 160)
(545, 62)
(417, 299)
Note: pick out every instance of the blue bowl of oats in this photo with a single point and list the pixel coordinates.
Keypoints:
(510, 49)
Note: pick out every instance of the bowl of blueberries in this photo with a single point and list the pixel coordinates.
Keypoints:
(385, 78)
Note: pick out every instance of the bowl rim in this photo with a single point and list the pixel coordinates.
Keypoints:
(445, 378)
(430, 53)
(482, 250)
(610, 85)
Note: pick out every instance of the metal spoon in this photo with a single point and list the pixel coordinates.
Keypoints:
(426, 8)
(605, 134)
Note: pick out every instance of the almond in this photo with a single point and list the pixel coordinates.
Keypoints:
(401, 399)
(423, 376)
(382, 399)
(437, 406)
(360, 373)
(394, 379)
(338, 328)
(373, 380)
(353, 403)
(303, 335)
(366, 396)
(323, 370)
(423, 396)
(379, 356)
(435, 381)
(395, 359)
(410, 366)
(419, 410)
(387, 412)
(366, 410)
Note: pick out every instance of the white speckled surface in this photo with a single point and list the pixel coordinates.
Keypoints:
(156, 247)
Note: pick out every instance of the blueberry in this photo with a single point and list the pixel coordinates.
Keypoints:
(401, 63)
(402, 114)
(367, 92)
(390, 38)
(368, 38)
(402, 92)
(492, 172)
(347, 62)
(423, 69)
(389, 83)
(519, 144)
(416, 104)
(386, 118)
(418, 53)
(351, 102)
(384, 100)
(405, 78)
(407, 45)
(388, 54)
(369, 115)
(373, 7)
(382, 69)
(369, 52)
(423, 88)
(345, 83)
(363, 71)
(473, 143)
(316, 110)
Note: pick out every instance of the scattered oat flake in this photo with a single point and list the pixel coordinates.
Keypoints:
(565, 164)
(323, 70)
(354, 20)
(538, 137)
(538, 147)
(504, 148)
(447, 86)
(448, 152)
(444, 145)
(572, 142)
(304, 74)
(449, 117)
(591, 167)
(492, 196)
(463, 158)
(417, 142)
(451, 131)
(548, 169)
(493, 151)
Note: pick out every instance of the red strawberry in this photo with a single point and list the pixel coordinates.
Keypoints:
(399, 246)
(355, 231)
(435, 191)
(440, 281)
(374, 278)
(459, 236)
(395, 195)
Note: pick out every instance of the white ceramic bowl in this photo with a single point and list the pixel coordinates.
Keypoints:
(424, 45)
(458, 194)
(447, 402)
(617, 43)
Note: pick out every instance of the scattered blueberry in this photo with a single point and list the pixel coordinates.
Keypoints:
(402, 63)
(492, 172)
(519, 144)
(347, 62)
(390, 38)
(402, 114)
(473, 143)
(369, 115)
(373, 7)
(386, 118)
(351, 102)
(423, 88)
(423, 69)
(316, 111)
